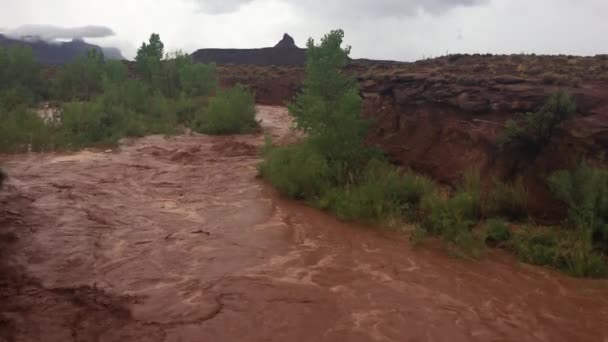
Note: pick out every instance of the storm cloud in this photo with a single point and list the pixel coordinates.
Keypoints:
(382, 29)
(378, 8)
(51, 33)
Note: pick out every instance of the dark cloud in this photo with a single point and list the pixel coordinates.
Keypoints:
(50, 32)
(383, 8)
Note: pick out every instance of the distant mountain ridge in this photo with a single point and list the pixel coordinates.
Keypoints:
(51, 53)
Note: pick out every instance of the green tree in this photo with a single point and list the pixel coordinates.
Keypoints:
(329, 107)
(20, 81)
(82, 79)
(148, 59)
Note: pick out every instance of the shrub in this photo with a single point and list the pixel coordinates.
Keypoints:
(585, 191)
(232, 111)
(561, 250)
(91, 123)
(379, 194)
(498, 232)
(414, 187)
(297, 171)
(22, 130)
(471, 186)
(533, 131)
(198, 79)
(451, 219)
(111, 117)
(506, 200)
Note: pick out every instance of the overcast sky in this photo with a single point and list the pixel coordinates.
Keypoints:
(381, 29)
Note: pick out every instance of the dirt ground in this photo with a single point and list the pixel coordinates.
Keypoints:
(175, 239)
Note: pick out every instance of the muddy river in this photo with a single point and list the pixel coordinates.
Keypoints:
(175, 239)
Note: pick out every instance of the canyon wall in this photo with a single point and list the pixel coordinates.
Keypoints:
(443, 116)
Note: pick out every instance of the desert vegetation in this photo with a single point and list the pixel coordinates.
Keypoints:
(101, 101)
(334, 169)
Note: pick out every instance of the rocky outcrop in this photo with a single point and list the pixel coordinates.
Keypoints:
(58, 53)
(286, 43)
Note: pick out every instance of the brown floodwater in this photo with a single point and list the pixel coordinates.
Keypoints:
(175, 239)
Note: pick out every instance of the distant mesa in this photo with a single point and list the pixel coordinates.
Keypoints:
(57, 53)
(287, 43)
(285, 53)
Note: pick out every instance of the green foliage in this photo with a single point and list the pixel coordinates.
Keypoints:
(414, 187)
(498, 232)
(506, 200)
(559, 249)
(297, 171)
(379, 194)
(232, 111)
(82, 79)
(198, 79)
(585, 191)
(329, 107)
(533, 131)
(452, 220)
(180, 75)
(470, 186)
(22, 130)
(148, 60)
(20, 82)
(104, 121)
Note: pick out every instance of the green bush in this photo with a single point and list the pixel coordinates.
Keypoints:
(470, 186)
(232, 111)
(198, 79)
(414, 187)
(297, 171)
(379, 194)
(91, 123)
(22, 130)
(452, 220)
(498, 232)
(506, 200)
(534, 130)
(559, 249)
(585, 191)
(110, 117)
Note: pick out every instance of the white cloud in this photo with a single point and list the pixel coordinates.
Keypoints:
(50, 32)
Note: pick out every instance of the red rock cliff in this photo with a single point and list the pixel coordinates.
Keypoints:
(443, 116)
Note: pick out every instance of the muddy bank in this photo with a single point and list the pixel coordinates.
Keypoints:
(174, 239)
